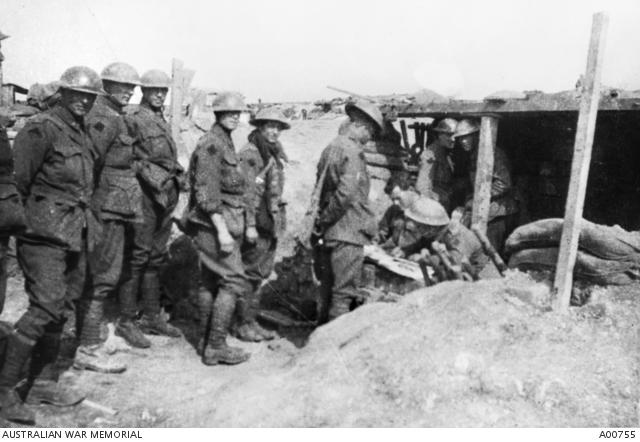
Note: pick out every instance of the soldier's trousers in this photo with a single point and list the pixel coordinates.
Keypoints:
(147, 255)
(223, 275)
(258, 259)
(111, 259)
(54, 279)
(338, 265)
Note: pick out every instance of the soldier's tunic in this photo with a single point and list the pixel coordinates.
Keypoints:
(218, 186)
(347, 223)
(435, 177)
(265, 186)
(160, 177)
(55, 176)
(10, 200)
(118, 197)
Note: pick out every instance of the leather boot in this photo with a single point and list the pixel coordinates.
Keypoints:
(91, 319)
(17, 353)
(217, 350)
(253, 305)
(205, 305)
(43, 384)
(96, 358)
(241, 325)
(157, 325)
(127, 329)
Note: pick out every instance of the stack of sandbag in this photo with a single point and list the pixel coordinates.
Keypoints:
(606, 254)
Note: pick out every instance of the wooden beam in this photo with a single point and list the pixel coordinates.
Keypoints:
(177, 97)
(484, 172)
(580, 164)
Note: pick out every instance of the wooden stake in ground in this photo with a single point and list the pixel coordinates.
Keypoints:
(484, 173)
(580, 164)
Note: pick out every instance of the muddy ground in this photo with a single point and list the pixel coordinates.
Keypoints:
(458, 354)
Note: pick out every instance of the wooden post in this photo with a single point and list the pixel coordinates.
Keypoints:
(177, 96)
(580, 164)
(2, 96)
(484, 172)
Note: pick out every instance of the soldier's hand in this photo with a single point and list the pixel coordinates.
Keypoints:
(397, 253)
(251, 235)
(226, 242)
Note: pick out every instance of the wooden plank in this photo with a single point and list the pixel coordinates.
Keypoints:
(580, 164)
(177, 96)
(484, 172)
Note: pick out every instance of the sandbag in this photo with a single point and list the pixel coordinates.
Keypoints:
(588, 267)
(606, 242)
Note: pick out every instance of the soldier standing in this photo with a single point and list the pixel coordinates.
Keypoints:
(504, 205)
(264, 170)
(55, 177)
(435, 177)
(118, 199)
(220, 217)
(160, 177)
(345, 221)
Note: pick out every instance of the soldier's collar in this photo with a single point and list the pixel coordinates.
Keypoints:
(66, 116)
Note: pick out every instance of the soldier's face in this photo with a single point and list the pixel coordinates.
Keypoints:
(271, 131)
(228, 120)
(446, 140)
(364, 129)
(120, 92)
(78, 103)
(467, 142)
(155, 96)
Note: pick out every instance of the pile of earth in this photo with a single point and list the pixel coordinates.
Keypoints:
(489, 353)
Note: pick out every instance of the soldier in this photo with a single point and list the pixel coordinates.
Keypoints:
(427, 221)
(118, 199)
(345, 221)
(219, 217)
(55, 177)
(160, 177)
(504, 205)
(264, 170)
(435, 177)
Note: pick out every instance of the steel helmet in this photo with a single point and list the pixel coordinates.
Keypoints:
(81, 79)
(369, 109)
(466, 127)
(446, 125)
(229, 102)
(155, 78)
(427, 211)
(121, 73)
(270, 114)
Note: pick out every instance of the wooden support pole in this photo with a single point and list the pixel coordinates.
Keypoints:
(177, 96)
(580, 164)
(484, 172)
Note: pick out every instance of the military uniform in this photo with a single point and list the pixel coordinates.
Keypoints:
(346, 222)
(435, 177)
(504, 204)
(266, 197)
(118, 199)
(219, 186)
(159, 174)
(461, 243)
(11, 212)
(55, 176)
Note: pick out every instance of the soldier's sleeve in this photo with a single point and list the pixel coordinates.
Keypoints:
(102, 133)
(249, 166)
(274, 187)
(29, 150)
(501, 181)
(346, 171)
(424, 182)
(206, 179)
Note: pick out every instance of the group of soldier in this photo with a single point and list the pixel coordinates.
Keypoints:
(96, 185)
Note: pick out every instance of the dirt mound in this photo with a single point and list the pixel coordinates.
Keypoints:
(457, 354)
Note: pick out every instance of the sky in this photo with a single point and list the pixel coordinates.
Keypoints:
(285, 50)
